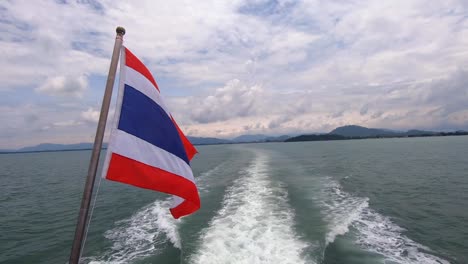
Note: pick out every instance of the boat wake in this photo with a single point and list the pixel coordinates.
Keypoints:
(255, 224)
(141, 235)
(341, 209)
(373, 232)
(203, 181)
(145, 233)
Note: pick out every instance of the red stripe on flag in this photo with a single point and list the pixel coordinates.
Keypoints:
(133, 62)
(190, 150)
(126, 170)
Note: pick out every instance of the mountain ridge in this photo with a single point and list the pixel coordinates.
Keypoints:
(44, 147)
(339, 133)
(249, 138)
(360, 132)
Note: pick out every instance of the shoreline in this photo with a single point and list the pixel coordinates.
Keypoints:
(290, 140)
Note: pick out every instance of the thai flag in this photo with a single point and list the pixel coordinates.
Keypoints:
(146, 147)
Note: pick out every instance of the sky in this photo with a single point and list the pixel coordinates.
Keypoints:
(228, 68)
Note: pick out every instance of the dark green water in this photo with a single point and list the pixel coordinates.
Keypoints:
(362, 201)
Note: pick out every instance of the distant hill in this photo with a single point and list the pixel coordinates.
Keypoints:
(55, 147)
(415, 132)
(194, 140)
(250, 138)
(259, 138)
(359, 131)
(339, 133)
(83, 146)
(7, 150)
(277, 139)
(208, 141)
(323, 137)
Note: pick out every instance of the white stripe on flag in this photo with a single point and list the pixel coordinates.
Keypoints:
(142, 84)
(176, 201)
(118, 108)
(137, 149)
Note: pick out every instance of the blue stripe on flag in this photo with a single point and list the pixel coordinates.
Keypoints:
(142, 117)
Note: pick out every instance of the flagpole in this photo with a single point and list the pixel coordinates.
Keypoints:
(93, 164)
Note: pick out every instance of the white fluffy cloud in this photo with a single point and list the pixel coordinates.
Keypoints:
(28, 124)
(233, 100)
(233, 67)
(73, 86)
(90, 115)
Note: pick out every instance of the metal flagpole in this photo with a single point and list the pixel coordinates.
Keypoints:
(93, 164)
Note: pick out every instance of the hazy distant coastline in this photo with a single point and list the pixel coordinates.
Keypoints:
(349, 132)
(358, 132)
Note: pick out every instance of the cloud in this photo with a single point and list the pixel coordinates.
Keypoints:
(91, 115)
(232, 67)
(279, 121)
(39, 42)
(428, 105)
(67, 123)
(29, 124)
(235, 99)
(66, 86)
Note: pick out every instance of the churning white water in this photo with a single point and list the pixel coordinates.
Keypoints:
(255, 224)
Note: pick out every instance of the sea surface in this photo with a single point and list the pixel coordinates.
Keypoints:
(358, 201)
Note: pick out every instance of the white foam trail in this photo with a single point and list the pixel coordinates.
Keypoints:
(375, 233)
(255, 224)
(340, 209)
(378, 234)
(140, 235)
(203, 181)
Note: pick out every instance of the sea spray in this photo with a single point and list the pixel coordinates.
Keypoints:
(374, 232)
(141, 235)
(144, 233)
(255, 224)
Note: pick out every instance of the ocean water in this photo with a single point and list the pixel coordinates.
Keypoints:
(360, 201)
